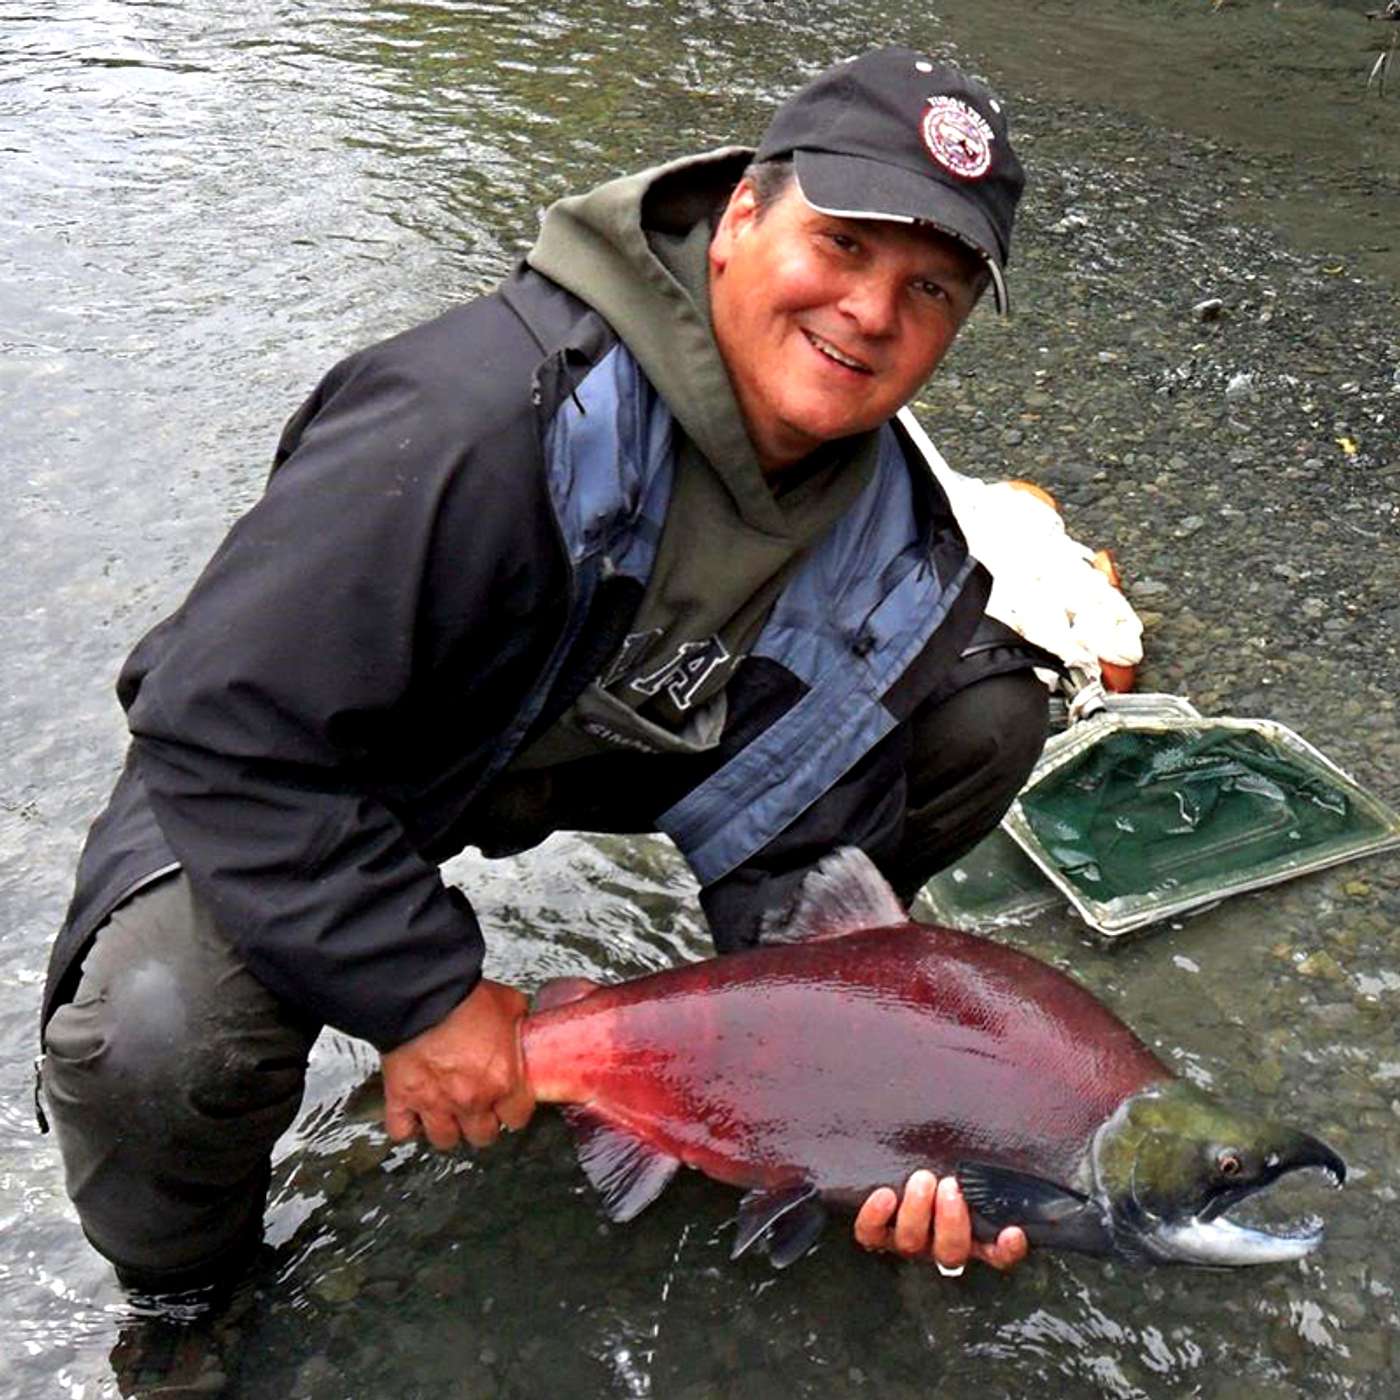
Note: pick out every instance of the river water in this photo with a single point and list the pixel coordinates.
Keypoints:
(203, 207)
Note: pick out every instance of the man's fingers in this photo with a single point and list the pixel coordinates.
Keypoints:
(952, 1231)
(440, 1129)
(515, 1109)
(932, 1218)
(1010, 1249)
(443, 1129)
(911, 1226)
(873, 1219)
(400, 1123)
(480, 1129)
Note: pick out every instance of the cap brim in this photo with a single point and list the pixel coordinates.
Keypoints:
(855, 187)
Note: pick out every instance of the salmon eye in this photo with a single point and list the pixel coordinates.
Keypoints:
(1229, 1164)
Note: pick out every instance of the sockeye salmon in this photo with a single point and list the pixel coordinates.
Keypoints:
(862, 1046)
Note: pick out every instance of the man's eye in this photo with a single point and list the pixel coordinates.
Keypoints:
(935, 290)
(844, 242)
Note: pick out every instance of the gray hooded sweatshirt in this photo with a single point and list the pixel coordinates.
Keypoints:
(636, 250)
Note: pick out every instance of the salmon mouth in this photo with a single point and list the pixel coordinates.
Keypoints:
(1212, 1239)
(1221, 1244)
(1330, 1167)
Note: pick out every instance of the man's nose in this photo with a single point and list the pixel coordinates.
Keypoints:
(873, 304)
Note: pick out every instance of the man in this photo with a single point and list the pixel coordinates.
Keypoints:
(630, 544)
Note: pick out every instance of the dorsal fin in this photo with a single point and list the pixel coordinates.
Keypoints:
(844, 893)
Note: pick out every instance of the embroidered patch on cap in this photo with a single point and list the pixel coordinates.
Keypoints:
(957, 137)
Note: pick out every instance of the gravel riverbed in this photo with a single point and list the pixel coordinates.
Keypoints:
(1219, 408)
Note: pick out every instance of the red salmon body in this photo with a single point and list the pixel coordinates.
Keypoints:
(846, 1061)
(856, 1047)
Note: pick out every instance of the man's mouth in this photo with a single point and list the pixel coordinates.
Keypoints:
(839, 357)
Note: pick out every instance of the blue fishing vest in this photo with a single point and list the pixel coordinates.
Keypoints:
(860, 607)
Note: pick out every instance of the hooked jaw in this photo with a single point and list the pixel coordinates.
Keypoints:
(1221, 1244)
(1176, 1179)
(1214, 1241)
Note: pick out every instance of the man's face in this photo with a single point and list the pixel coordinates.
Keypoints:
(827, 325)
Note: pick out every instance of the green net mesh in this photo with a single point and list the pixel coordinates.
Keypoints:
(1151, 813)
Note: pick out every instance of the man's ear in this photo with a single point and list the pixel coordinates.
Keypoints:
(740, 214)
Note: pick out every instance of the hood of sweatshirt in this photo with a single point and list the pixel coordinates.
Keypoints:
(636, 250)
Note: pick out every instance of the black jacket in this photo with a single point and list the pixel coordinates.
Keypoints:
(312, 736)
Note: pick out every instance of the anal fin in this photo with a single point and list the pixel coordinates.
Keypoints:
(628, 1173)
(791, 1217)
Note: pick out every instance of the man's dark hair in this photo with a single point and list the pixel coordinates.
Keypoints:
(770, 180)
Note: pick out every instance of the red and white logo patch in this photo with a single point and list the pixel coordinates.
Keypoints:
(957, 137)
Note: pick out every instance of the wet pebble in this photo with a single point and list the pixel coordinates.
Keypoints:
(338, 1284)
(433, 1213)
(317, 1379)
(1348, 1304)
(701, 1389)
(1369, 1351)
(761, 1384)
(442, 1278)
(1071, 473)
(367, 1154)
(1321, 964)
(1251, 1388)
(1148, 588)
(1333, 1015)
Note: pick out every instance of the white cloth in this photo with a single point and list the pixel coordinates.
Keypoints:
(1045, 586)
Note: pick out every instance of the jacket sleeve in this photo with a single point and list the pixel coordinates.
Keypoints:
(360, 635)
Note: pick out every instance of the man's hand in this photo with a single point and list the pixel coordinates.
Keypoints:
(933, 1220)
(465, 1076)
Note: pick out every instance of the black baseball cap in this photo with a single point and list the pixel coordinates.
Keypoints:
(895, 135)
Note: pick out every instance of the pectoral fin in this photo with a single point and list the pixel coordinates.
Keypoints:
(1049, 1213)
(627, 1172)
(792, 1217)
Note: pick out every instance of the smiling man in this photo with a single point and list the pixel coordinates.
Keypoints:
(633, 543)
(829, 324)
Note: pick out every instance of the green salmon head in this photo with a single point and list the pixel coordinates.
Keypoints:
(1172, 1161)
